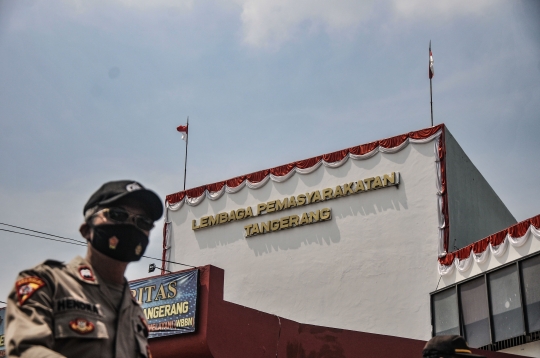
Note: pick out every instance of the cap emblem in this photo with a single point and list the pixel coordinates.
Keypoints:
(113, 241)
(138, 250)
(133, 187)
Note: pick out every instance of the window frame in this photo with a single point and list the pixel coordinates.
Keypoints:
(461, 318)
(432, 309)
(455, 286)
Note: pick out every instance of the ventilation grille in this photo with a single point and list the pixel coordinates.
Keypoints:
(512, 342)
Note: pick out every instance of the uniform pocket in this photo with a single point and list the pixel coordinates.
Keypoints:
(81, 326)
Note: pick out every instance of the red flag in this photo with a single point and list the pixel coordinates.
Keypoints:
(431, 71)
(183, 130)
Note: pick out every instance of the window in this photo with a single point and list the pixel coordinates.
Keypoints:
(494, 310)
(530, 273)
(446, 314)
(505, 303)
(475, 312)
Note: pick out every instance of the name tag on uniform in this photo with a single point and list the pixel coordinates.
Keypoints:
(72, 304)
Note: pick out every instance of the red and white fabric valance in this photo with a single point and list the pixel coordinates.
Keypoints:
(282, 173)
(516, 235)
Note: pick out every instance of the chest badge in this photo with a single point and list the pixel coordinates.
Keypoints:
(26, 287)
(87, 274)
(81, 326)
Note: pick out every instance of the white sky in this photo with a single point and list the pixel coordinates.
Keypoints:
(93, 91)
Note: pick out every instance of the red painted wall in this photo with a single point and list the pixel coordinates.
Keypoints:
(228, 330)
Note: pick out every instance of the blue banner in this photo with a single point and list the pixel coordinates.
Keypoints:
(2, 337)
(169, 302)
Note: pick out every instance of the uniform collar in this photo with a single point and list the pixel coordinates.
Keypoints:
(81, 269)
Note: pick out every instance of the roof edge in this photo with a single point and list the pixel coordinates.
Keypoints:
(258, 176)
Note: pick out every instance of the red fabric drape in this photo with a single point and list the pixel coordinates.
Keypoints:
(215, 186)
(444, 193)
(463, 253)
(448, 259)
(497, 238)
(393, 141)
(480, 246)
(175, 198)
(258, 176)
(335, 156)
(364, 148)
(425, 133)
(195, 192)
(308, 163)
(234, 182)
(519, 229)
(535, 221)
(282, 170)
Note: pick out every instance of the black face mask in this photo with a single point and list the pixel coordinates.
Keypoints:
(122, 242)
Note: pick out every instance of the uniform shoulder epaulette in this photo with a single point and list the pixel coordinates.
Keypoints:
(53, 263)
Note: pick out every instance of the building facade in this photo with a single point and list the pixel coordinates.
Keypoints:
(355, 239)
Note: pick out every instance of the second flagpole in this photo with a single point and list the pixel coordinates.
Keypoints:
(185, 161)
(431, 101)
(431, 73)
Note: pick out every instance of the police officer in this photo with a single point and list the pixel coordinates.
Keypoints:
(448, 347)
(84, 308)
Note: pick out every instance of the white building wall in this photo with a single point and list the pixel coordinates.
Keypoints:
(370, 268)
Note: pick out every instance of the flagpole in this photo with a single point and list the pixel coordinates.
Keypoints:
(431, 100)
(185, 161)
(430, 86)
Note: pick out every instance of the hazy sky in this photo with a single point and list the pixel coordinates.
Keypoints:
(92, 91)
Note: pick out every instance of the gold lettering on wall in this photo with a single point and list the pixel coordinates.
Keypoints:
(347, 189)
(287, 222)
